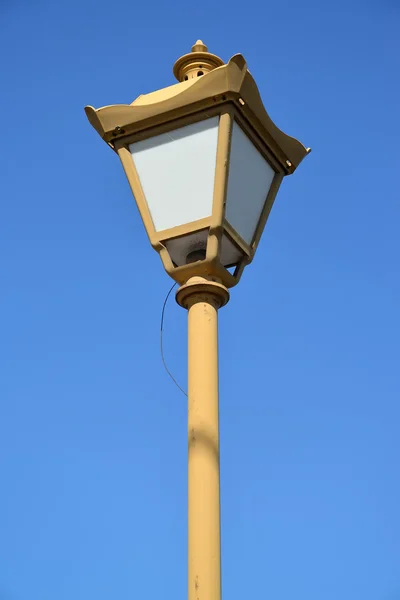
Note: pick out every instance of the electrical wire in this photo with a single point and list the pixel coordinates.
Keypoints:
(161, 341)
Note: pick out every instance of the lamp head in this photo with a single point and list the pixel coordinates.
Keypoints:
(204, 161)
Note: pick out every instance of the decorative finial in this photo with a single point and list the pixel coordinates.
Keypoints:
(199, 47)
(197, 63)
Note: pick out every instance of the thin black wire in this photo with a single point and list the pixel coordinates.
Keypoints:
(161, 341)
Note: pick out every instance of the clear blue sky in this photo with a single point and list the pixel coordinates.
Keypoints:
(92, 431)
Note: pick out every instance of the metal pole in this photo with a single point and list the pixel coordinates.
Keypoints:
(202, 298)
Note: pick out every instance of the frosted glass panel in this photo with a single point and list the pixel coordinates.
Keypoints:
(250, 177)
(230, 253)
(176, 171)
(179, 248)
(182, 247)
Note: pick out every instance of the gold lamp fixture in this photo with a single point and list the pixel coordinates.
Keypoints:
(204, 162)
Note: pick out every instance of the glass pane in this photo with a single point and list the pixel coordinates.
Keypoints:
(250, 177)
(192, 247)
(188, 248)
(176, 170)
(230, 253)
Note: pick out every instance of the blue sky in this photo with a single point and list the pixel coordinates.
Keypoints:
(92, 431)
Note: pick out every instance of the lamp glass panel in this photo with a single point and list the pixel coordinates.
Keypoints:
(249, 181)
(176, 171)
(182, 248)
(230, 253)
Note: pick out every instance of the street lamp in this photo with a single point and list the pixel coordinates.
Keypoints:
(204, 162)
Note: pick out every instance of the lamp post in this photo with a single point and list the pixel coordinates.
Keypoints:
(205, 162)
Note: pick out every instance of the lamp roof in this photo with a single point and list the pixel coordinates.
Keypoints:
(221, 84)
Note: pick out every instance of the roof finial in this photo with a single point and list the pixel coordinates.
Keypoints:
(197, 63)
(199, 47)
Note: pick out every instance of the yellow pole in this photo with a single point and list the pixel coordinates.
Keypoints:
(202, 298)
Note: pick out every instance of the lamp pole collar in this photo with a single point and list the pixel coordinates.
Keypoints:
(200, 289)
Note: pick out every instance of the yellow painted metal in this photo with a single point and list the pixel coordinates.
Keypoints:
(204, 555)
(202, 298)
